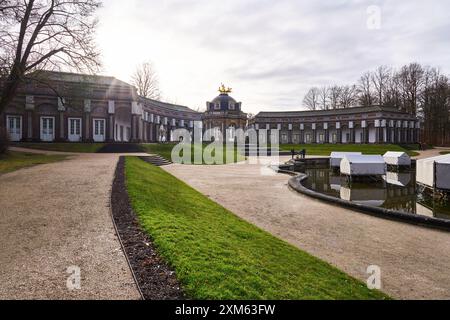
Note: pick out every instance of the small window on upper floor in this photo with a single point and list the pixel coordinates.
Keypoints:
(217, 106)
(231, 106)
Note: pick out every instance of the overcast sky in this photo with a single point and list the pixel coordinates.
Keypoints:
(270, 52)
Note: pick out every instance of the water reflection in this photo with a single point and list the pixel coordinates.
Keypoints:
(396, 191)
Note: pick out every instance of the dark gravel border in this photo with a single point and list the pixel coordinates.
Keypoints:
(155, 279)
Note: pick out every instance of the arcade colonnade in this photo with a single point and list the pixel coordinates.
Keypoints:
(401, 129)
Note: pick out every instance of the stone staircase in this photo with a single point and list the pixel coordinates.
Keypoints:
(156, 160)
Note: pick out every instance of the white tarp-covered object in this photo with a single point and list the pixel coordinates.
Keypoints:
(434, 172)
(362, 165)
(397, 158)
(336, 158)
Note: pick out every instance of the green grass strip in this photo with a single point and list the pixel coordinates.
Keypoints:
(12, 161)
(217, 255)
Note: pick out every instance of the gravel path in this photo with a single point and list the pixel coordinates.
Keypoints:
(414, 261)
(55, 216)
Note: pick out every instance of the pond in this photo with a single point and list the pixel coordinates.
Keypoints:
(396, 191)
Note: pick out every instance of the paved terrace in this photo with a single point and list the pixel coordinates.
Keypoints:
(414, 261)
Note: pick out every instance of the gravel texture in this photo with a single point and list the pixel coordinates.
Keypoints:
(55, 216)
(156, 279)
(414, 261)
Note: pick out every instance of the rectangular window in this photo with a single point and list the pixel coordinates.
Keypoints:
(14, 127)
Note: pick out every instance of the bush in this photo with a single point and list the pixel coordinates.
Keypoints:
(4, 140)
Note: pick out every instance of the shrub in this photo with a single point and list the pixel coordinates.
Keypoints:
(4, 140)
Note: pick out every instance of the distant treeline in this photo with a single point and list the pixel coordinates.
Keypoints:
(415, 89)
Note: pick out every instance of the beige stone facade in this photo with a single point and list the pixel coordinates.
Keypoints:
(365, 125)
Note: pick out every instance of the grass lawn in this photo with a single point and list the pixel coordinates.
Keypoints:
(12, 161)
(62, 147)
(444, 152)
(217, 255)
(326, 149)
(165, 151)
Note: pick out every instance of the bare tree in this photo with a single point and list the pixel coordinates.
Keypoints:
(380, 79)
(411, 81)
(347, 97)
(334, 96)
(365, 90)
(323, 98)
(393, 95)
(311, 100)
(45, 35)
(145, 79)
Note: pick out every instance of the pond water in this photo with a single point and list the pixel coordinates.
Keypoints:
(397, 191)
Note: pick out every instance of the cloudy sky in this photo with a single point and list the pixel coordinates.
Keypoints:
(270, 52)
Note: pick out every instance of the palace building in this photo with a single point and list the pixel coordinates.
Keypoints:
(66, 107)
(360, 125)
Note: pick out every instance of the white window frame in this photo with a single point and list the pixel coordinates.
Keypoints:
(41, 120)
(93, 130)
(8, 117)
(69, 127)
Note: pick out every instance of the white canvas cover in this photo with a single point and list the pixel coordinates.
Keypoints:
(336, 158)
(362, 165)
(434, 172)
(397, 158)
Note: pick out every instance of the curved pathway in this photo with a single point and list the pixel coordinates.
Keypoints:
(55, 216)
(414, 261)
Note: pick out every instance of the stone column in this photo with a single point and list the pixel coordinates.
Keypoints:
(290, 133)
(111, 137)
(338, 133)
(29, 108)
(61, 126)
(314, 133)
(61, 111)
(351, 128)
(302, 133)
(87, 121)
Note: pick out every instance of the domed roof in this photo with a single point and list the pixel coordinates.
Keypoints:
(224, 99)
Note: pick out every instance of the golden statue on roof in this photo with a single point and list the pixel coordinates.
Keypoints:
(224, 90)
